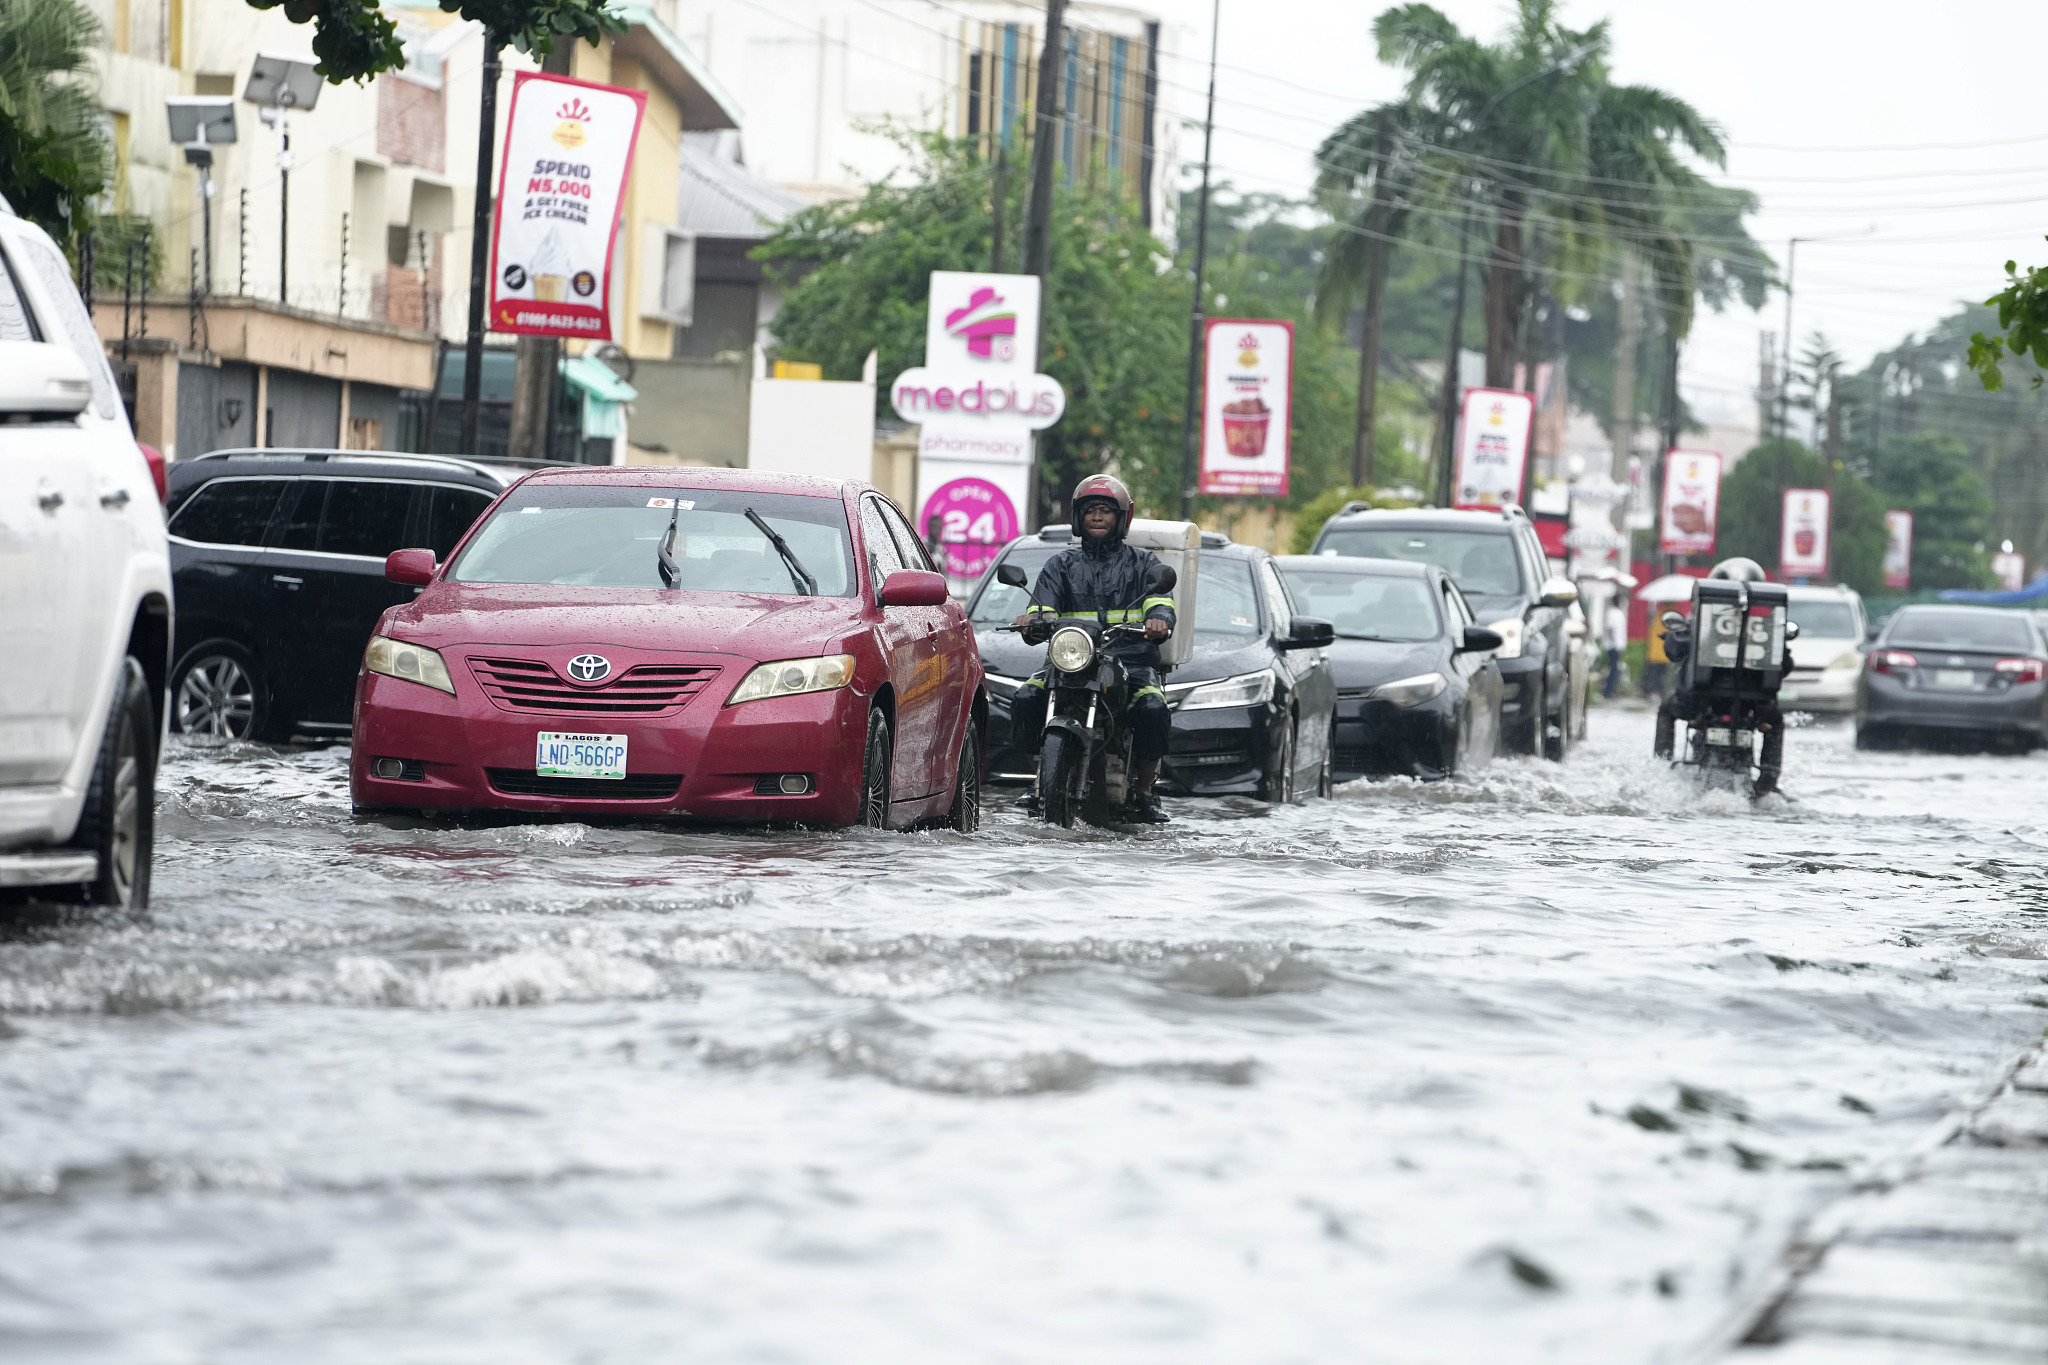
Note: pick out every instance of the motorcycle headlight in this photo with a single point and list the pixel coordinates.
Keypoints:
(787, 677)
(1071, 649)
(1246, 689)
(1510, 632)
(413, 663)
(1410, 691)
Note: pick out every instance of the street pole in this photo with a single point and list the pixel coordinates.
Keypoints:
(1038, 215)
(1363, 446)
(284, 206)
(1191, 421)
(1670, 434)
(1785, 363)
(1449, 433)
(480, 243)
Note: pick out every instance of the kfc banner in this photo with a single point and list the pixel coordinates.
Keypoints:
(1493, 448)
(1247, 407)
(1898, 549)
(1692, 498)
(1803, 535)
(568, 150)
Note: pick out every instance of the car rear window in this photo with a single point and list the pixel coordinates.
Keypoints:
(1479, 562)
(1936, 628)
(1366, 606)
(229, 511)
(1226, 603)
(1825, 620)
(596, 535)
(999, 603)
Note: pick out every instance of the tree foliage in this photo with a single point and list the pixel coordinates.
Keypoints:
(54, 157)
(354, 40)
(1752, 512)
(1930, 475)
(2022, 326)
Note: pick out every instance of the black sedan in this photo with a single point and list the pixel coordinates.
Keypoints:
(1418, 690)
(1254, 711)
(1968, 673)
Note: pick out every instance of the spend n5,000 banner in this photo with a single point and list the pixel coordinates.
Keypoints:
(568, 149)
(1493, 448)
(1247, 406)
(1692, 497)
(1803, 539)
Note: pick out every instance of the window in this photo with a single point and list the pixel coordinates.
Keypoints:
(1225, 601)
(883, 556)
(1479, 562)
(999, 603)
(1825, 620)
(1949, 628)
(365, 517)
(915, 556)
(450, 512)
(1367, 606)
(301, 530)
(1460, 615)
(1278, 609)
(723, 318)
(229, 511)
(16, 322)
(79, 333)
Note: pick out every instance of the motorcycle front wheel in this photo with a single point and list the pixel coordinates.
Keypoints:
(1062, 761)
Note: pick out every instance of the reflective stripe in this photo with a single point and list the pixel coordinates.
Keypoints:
(1152, 602)
(1035, 610)
(1148, 692)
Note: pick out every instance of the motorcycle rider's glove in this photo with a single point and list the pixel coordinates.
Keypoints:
(1037, 630)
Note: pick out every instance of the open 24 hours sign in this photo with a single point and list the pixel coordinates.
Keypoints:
(568, 150)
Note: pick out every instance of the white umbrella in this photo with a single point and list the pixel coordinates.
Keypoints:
(1672, 587)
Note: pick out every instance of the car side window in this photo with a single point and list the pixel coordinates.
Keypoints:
(1539, 563)
(16, 322)
(915, 556)
(301, 529)
(451, 512)
(228, 511)
(365, 517)
(76, 324)
(883, 556)
(1277, 606)
(1456, 614)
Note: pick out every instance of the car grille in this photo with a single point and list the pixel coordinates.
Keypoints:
(528, 685)
(631, 787)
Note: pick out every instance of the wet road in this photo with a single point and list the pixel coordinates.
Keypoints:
(1535, 1066)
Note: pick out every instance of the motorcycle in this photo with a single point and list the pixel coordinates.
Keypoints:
(1084, 756)
(1731, 659)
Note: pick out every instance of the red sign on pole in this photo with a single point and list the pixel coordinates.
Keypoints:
(1898, 549)
(1247, 406)
(1803, 534)
(1692, 501)
(1493, 448)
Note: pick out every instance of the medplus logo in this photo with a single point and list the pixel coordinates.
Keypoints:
(986, 325)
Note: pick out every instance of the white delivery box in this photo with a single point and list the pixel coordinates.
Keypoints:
(1179, 547)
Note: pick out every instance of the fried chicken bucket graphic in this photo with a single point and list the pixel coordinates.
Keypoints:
(1244, 427)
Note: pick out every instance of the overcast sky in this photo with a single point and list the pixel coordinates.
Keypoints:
(1844, 118)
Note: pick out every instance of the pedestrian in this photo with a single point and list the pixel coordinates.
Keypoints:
(1614, 634)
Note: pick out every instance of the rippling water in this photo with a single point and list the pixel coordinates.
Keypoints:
(1534, 1066)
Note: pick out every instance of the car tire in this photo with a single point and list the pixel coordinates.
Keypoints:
(1277, 788)
(217, 689)
(118, 824)
(1060, 757)
(1869, 738)
(1326, 777)
(965, 816)
(1556, 746)
(1529, 738)
(874, 772)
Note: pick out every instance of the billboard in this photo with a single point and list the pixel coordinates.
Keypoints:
(1803, 534)
(1493, 448)
(1898, 549)
(568, 150)
(2010, 570)
(1692, 502)
(1247, 406)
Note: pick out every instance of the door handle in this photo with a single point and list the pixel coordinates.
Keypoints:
(288, 581)
(50, 502)
(115, 500)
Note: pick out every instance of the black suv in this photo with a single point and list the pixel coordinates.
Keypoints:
(277, 562)
(1498, 563)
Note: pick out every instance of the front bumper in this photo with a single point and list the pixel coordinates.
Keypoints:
(1377, 738)
(1886, 701)
(715, 754)
(1220, 751)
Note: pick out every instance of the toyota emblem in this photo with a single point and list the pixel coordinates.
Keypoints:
(589, 668)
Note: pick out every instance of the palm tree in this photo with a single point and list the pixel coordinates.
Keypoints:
(53, 153)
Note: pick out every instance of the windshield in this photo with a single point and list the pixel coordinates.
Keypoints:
(1225, 603)
(1939, 628)
(1825, 620)
(1480, 562)
(605, 536)
(999, 603)
(1366, 606)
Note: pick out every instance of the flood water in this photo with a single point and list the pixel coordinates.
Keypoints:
(1538, 1065)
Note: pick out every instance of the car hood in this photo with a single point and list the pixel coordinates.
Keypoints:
(1368, 663)
(753, 626)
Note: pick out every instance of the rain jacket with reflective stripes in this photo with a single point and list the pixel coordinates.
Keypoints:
(1108, 578)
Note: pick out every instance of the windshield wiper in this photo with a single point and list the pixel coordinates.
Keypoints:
(805, 584)
(665, 550)
(1347, 635)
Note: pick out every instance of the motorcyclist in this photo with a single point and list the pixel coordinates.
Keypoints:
(1682, 705)
(1104, 576)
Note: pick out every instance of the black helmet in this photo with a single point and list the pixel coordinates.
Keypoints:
(1103, 488)
(1741, 570)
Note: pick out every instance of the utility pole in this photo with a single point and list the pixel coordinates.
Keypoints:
(1447, 432)
(999, 200)
(1362, 442)
(1191, 420)
(1668, 437)
(538, 360)
(1628, 341)
(480, 241)
(1038, 215)
(1785, 359)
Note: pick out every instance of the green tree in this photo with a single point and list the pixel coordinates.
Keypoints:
(1752, 512)
(53, 154)
(2022, 328)
(1930, 474)
(354, 40)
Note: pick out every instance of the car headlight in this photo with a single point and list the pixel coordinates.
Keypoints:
(1071, 649)
(1510, 632)
(413, 663)
(1246, 689)
(787, 677)
(1848, 661)
(1411, 691)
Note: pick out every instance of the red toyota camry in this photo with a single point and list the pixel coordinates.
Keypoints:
(713, 643)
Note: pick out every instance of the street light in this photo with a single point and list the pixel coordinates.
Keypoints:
(278, 85)
(200, 123)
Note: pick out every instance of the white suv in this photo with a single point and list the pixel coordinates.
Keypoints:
(1828, 656)
(85, 597)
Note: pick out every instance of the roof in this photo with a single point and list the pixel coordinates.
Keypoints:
(718, 197)
(599, 380)
(701, 102)
(1428, 516)
(696, 476)
(371, 463)
(1359, 564)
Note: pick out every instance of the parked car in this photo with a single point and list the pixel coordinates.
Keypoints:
(1828, 656)
(85, 614)
(1497, 562)
(278, 556)
(712, 643)
(1418, 692)
(1954, 671)
(1254, 711)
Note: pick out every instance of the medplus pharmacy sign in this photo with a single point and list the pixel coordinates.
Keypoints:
(568, 150)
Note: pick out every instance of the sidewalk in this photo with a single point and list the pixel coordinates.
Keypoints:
(1941, 1261)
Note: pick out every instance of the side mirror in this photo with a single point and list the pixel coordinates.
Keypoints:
(1012, 575)
(415, 568)
(1161, 581)
(1480, 640)
(1307, 632)
(1791, 631)
(42, 379)
(1671, 620)
(912, 588)
(1559, 592)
